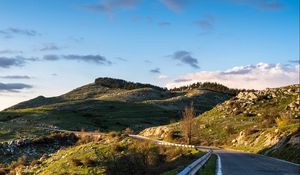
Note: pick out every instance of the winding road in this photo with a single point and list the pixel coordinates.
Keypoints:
(239, 163)
(232, 162)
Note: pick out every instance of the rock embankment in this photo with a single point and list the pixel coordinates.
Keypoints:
(34, 148)
(246, 102)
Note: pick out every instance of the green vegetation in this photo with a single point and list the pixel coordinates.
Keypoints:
(211, 86)
(121, 156)
(111, 104)
(13, 131)
(94, 114)
(184, 164)
(210, 167)
(263, 122)
(122, 84)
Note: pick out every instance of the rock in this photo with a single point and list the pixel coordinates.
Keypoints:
(295, 140)
(271, 139)
(159, 132)
(203, 126)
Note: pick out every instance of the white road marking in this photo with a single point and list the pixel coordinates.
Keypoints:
(292, 163)
(219, 166)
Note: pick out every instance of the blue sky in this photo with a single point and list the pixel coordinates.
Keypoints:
(49, 47)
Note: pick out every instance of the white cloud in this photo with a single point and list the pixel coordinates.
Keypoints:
(259, 76)
(163, 77)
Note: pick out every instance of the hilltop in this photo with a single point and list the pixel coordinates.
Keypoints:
(112, 104)
(265, 122)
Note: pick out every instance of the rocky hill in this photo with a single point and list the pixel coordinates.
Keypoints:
(265, 122)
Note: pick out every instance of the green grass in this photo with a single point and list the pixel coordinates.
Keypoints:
(95, 114)
(72, 160)
(62, 161)
(179, 169)
(13, 131)
(220, 126)
(210, 167)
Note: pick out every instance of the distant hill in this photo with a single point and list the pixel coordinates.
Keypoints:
(265, 122)
(113, 104)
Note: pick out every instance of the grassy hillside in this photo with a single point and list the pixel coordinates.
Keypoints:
(108, 154)
(111, 104)
(265, 121)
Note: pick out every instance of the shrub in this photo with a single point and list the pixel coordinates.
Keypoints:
(114, 134)
(128, 131)
(89, 162)
(282, 121)
(20, 162)
(117, 148)
(269, 120)
(76, 162)
(173, 135)
(4, 171)
(229, 129)
(250, 131)
(34, 162)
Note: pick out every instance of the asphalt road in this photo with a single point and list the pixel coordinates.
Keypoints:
(238, 163)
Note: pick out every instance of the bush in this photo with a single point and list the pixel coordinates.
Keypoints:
(269, 120)
(89, 162)
(76, 162)
(128, 131)
(3, 171)
(250, 131)
(229, 129)
(114, 134)
(173, 135)
(282, 121)
(34, 162)
(22, 161)
(117, 148)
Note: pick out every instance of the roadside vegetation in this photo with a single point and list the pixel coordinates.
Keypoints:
(265, 122)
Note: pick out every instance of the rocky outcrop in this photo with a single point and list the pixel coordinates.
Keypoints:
(159, 132)
(33, 148)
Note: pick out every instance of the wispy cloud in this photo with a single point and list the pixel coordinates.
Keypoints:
(155, 71)
(138, 18)
(164, 24)
(175, 5)
(50, 47)
(206, 23)
(261, 4)
(109, 6)
(7, 62)
(180, 80)
(294, 61)
(8, 51)
(121, 59)
(185, 58)
(13, 87)
(147, 61)
(163, 77)
(11, 32)
(98, 59)
(259, 76)
(76, 39)
(16, 77)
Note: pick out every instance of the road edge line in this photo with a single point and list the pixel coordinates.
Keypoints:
(219, 166)
(281, 160)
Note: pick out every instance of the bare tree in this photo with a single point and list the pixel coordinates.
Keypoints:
(187, 123)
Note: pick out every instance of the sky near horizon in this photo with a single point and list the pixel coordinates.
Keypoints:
(49, 47)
